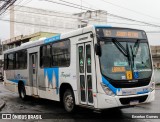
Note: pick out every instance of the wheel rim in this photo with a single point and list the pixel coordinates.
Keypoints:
(22, 94)
(69, 104)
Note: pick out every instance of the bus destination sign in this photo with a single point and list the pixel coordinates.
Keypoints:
(127, 34)
(121, 33)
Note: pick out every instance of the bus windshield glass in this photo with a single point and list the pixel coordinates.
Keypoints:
(121, 57)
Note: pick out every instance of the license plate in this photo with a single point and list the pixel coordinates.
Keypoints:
(134, 102)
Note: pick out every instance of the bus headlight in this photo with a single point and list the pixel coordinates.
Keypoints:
(152, 86)
(107, 90)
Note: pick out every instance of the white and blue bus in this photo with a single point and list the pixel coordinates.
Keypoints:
(97, 67)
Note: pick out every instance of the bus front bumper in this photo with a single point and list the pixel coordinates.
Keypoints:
(106, 101)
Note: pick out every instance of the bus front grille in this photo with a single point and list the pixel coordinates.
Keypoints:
(126, 101)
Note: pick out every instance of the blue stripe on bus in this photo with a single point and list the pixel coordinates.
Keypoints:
(143, 92)
(50, 73)
(102, 26)
(16, 81)
(52, 39)
(112, 88)
(56, 70)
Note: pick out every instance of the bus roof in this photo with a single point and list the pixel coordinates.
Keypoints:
(57, 37)
(51, 39)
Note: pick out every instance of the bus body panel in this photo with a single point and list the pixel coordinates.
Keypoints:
(50, 79)
(12, 77)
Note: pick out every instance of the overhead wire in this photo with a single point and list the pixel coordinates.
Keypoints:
(104, 12)
(6, 6)
(7, 11)
(27, 23)
(112, 15)
(137, 12)
(15, 7)
(84, 8)
(72, 17)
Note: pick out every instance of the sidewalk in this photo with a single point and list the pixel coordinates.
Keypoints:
(2, 104)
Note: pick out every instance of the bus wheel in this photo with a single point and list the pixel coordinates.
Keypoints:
(22, 92)
(69, 101)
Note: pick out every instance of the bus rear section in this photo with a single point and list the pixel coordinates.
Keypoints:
(123, 67)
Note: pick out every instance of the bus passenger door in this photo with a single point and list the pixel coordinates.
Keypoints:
(33, 73)
(85, 73)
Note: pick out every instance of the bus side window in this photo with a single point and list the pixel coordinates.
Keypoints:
(25, 59)
(48, 56)
(42, 54)
(5, 61)
(22, 59)
(45, 56)
(10, 58)
(55, 56)
(61, 53)
(16, 60)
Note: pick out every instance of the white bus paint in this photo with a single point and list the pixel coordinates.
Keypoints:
(46, 82)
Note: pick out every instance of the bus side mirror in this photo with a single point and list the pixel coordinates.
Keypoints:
(97, 49)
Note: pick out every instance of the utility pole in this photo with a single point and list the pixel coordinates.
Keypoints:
(12, 21)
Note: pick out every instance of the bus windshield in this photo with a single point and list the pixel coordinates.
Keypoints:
(120, 56)
(114, 64)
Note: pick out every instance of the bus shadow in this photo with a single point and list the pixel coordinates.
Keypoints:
(56, 111)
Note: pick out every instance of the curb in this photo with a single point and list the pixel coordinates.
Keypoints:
(2, 104)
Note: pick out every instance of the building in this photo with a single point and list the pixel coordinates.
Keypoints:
(29, 24)
(27, 20)
(18, 40)
(155, 50)
(91, 17)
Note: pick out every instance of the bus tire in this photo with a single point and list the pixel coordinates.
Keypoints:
(69, 101)
(22, 92)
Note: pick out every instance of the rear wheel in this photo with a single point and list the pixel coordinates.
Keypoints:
(69, 101)
(22, 92)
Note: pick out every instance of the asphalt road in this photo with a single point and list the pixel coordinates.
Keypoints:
(33, 105)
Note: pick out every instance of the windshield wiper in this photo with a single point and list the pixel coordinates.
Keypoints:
(129, 57)
(136, 47)
(120, 47)
(134, 50)
(133, 55)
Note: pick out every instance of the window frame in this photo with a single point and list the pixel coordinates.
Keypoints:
(44, 56)
(51, 52)
(14, 60)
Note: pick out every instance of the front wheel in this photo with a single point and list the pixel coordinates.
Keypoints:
(69, 101)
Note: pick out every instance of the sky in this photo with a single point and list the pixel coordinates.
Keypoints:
(140, 10)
